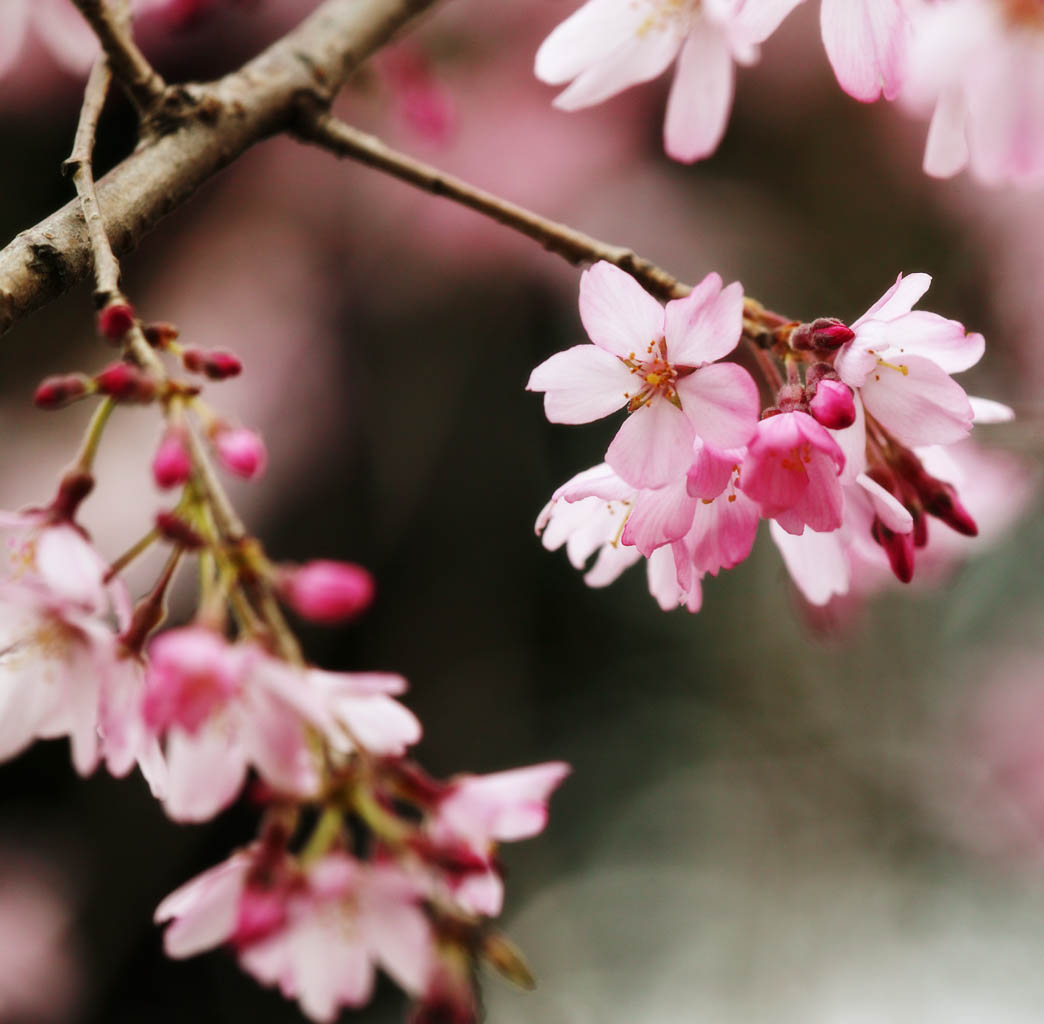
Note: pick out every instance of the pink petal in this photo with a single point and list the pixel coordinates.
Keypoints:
(610, 563)
(582, 384)
(899, 299)
(597, 482)
(205, 910)
(587, 37)
(618, 314)
(815, 561)
(865, 41)
(659, 517)
(946, 151)
(277, 743)
(892, 512)
(14, 17)
(653, 446)
(722, 404)
(722, 533)
(706, 325)
(755, 20)
(205, 772)
(925, 334)
(985, 410)
(712, 469)
(701, 95)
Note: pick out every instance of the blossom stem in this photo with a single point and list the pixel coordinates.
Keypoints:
(128, 556)
(326, 832)
(92, 439)
(769, 369)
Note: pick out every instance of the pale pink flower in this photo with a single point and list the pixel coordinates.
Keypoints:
(609, 45)
(901, 359)
(482, 810)
(791, 471)
(323, 935)
(658, 362)
(866, 42)
(977, 66)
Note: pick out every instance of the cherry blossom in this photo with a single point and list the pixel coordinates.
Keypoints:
(901, 359)
(319, 934)
(609, 45)
(977, 67)
(866, 42)
(658, 362)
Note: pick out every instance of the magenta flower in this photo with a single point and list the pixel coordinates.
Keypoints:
(609, 45)
(319, 936)
(240, 451)
(977, 66)
(658, 362)
(327, 592)
(866, 42)
(901, 359)
(791, 472)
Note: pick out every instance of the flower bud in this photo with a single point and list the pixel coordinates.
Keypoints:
(327, 592)
(790, 398)
(176, 530)
(240, 451)
(126, 383)
(833, 405)
(54, 392)
(216, 364)
(115, 320)
(940, 500)
(825, 334)
(507, 960)
(160, 335)
(899, 547)
(172, 464)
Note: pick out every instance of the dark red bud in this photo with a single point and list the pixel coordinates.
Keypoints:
(826, 334)
(160, 335)
(75, 486)
(920, 529)
(457, 859)
(833, 405)
(54, 392)
(177, 531)
(899, 547)
(115, 320)
(125, 383)
(941, 501)
(818, 372)
(216, 364)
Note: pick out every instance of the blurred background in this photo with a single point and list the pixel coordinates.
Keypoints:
(776, 815)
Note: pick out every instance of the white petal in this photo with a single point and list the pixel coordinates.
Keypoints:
(581, 384)
(619, 315)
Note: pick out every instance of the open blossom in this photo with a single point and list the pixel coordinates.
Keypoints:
(221, 708)
(900, 360)
(482, 810)
(609, 45)
(866, 42)
(318, 933)
(660, 363)
(977, 66)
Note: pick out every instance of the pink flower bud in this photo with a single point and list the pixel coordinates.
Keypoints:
(176, 530)
(172, 464)
(940, 500)
(899, 547)
(825, 334)
(791, 397)
(241, 451)
(54, 392)
(328, 592)
(125, 383)
(160, 335)
(262, 912)
(115, 320)
(833, 405)
(216, 364)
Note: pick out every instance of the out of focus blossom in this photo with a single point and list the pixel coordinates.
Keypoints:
(609, 45)
(658, 362)
(327, 592)
(977, 67)
(240, 451)
(866, 42)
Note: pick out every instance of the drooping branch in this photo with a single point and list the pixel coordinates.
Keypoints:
(316, 125)
(232, 114)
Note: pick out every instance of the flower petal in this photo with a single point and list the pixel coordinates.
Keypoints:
(721, 402)
(619, 315)
(581, 384)
(653, 446)
(706, 325)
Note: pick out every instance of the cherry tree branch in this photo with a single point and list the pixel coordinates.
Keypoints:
(143, 85)
(316, 125)
(231, 115)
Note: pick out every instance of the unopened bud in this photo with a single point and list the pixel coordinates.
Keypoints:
(899, 547)
(115, 320)
(54, 392)
(216, 364)
(920, 528)
(172, 463)
(327, 592)
(126, 383)
(261, 913)
(791, 397)
(507, 960)
(457, 859)
(820, 371)
(941, 501)
(825, 334)
(176, 530)
(160, 335)
(833, 405)
(240, 451)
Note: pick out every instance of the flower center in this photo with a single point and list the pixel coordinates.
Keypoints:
(668, 14)
(656, 376)
(796, 459)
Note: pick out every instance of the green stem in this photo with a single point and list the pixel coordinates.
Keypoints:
(92, 438)
(131, 553)
(326, 832)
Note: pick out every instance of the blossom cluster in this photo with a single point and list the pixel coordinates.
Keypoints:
(841, 460)
(974, 67)
(363, 861)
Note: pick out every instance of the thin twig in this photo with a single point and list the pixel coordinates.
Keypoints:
(139, 79)
(318, 126)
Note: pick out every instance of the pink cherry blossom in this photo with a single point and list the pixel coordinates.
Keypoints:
(658, 362)
(609, 45)
(977, 66)
(323, 932)
(482, 810)
(791, 472)
(866, 42)
(901, 359)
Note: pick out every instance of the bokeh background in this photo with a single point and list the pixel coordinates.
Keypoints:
(775, 815)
